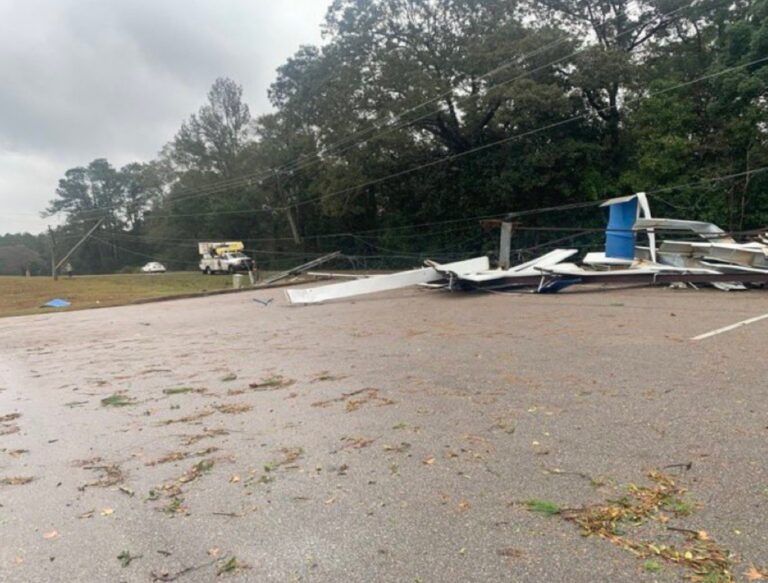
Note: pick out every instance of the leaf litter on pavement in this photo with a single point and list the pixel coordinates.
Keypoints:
(620, 521)
(272, 383)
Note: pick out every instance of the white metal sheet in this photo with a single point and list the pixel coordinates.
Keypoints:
(313, 295)
(599, 258)
(647, 269)
(524, 269)
(710, 231)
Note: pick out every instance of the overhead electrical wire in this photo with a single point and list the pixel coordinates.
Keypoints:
(248, 180)
(459, 155)
(516, 60)
(518, 214)
(507, 139)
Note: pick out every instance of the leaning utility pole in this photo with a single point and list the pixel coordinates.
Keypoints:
(78, 244)
(288, 212)
(53, 254)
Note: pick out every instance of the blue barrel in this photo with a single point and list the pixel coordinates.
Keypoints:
(619, 236)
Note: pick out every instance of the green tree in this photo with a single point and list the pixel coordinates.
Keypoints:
(212, 139)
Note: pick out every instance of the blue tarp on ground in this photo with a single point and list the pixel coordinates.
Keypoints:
(57, 303)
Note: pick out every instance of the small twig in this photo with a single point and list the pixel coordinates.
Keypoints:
(685, 530)
(558, 472)
(687, 466)
(168, 577)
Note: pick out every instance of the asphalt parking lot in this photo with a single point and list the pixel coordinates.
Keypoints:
(396, 437)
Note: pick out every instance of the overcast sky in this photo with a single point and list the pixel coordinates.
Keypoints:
(83, 79)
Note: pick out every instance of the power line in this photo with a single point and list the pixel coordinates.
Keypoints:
(472, 150)
(400, 122)
(404, 123)
(248, 180)
(529, 212)
(338, 235)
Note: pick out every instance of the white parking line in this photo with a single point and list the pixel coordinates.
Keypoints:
(731, 327)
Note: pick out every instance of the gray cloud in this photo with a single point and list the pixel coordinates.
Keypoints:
(115, 78)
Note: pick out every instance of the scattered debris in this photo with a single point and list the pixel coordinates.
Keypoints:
(272, 383)
(176, 456)
(290, 456)
(15, 453)
(189, 418)
(9, 417)
(175, 506)
(326, 376)
(263, 302)
(356, 442)
(207, 434)
(88, 462)
(402, 448)
(56, 303)
(126, 558)
(543, 506)
(111, 475)
(380, 283)
(366, 396)
(229, 377)
(230, 565)
(200, 468)
(166, 577)
(698, 553)
(510, 553)
(719, 260)
(8, 428)
(16, 481)
(117, 400)
(182, 390)
(301, 268)
(369, 396)
(756, 574)
(233, 409)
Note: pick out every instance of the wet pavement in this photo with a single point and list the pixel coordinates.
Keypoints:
(396, 437)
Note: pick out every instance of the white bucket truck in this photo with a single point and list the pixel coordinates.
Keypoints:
(223, 257)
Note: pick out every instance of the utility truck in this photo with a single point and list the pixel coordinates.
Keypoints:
(223, 257)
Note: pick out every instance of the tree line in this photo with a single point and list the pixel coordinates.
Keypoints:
(414, 117)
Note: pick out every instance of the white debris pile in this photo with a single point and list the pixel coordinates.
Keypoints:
(715, 258)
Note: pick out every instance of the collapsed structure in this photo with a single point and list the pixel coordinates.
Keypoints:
(713, 258)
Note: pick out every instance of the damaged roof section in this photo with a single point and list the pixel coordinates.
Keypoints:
(714, 258)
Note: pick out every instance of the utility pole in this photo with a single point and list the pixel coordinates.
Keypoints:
(505, 244)
(289, 214)
(77, 245)
(54, 275)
